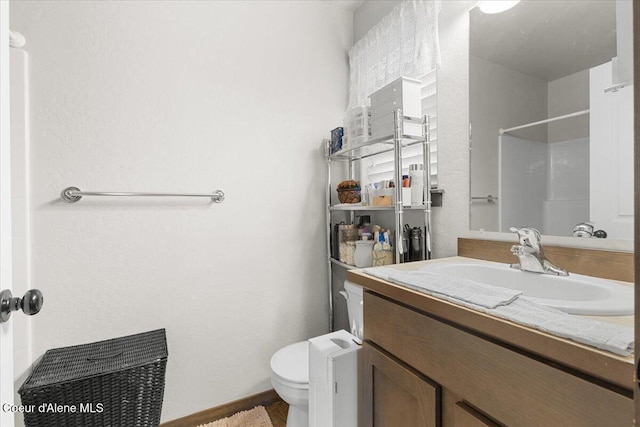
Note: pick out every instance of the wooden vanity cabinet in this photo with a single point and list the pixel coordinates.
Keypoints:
(419, 370)
(465, 415)
(397, 395)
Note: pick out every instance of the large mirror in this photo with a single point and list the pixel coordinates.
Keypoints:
(551, 113)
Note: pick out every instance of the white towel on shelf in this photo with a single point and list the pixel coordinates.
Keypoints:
(449, 288)
(510, 305)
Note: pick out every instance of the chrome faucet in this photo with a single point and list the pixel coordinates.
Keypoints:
(531, 253)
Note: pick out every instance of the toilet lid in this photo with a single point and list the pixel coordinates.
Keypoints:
(291, 363)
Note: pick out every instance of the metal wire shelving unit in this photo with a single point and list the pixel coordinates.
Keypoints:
(372, 147)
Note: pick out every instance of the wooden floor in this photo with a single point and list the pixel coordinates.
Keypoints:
(278, 413)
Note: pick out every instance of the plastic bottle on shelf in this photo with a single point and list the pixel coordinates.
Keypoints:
(417, 183)
(382, 249)
(415, 245)
(364, 253)
(364, 226)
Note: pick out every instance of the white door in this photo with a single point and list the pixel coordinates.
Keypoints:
(6, 333)
(611, 154)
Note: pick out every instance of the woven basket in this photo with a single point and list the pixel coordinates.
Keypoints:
(349, 195)
(113, 383)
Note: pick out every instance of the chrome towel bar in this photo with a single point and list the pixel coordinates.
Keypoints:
(74, 194)
(489, 198)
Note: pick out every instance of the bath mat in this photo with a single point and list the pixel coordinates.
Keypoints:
(256, 417)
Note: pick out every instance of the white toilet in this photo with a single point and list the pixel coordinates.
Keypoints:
(290, 364)
(290, 379)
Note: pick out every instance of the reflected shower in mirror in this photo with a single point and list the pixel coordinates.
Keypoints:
(551, 113)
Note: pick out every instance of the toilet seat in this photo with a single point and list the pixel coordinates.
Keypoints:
(290, 365)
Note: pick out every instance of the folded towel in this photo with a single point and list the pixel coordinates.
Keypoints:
(618, 339)
(510, 305)
(449, 288)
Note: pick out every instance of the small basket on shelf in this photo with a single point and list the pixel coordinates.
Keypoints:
(349, 191)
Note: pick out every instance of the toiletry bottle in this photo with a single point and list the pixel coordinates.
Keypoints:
(417, 183)
(387, 248)
(364, 254)
(366, 228)
(415, 244)
(377, 254)
(406, 232)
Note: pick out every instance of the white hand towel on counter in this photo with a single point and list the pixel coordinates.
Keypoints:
(612, 337)
(449, 288)
(507, 304)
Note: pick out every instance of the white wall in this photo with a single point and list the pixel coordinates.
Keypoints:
(184, 96)
(451, 220)
(566, 95)
(369, 14)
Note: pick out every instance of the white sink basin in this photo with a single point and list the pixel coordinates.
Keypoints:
(574, 294)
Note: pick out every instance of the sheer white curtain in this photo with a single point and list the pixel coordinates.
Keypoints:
(403, 43)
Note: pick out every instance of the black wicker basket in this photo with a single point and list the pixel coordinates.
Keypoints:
(112, 383)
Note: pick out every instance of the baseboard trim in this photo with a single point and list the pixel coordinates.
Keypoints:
(209, 415)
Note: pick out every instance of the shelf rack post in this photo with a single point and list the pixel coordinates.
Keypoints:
(426, 153)
(398, 131)
(327, 151)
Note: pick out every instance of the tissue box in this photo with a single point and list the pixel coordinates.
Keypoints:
(382, 197)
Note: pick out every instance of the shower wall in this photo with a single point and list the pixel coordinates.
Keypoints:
(567, 201)
(184, 97)
(543, 185)
(523, 182)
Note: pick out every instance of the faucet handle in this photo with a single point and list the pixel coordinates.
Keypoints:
(528, 237)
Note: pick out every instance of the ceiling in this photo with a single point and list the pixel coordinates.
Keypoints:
(547, 39)
(351, 5)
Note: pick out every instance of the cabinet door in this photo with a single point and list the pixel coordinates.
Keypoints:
(466, 416)
(396, 395)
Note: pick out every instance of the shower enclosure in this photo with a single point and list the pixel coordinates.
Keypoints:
(543, 182)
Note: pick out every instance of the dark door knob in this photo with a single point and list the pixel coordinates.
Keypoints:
(30, 303)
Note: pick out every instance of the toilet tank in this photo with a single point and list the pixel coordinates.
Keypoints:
(353, 295)
(333, 380)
